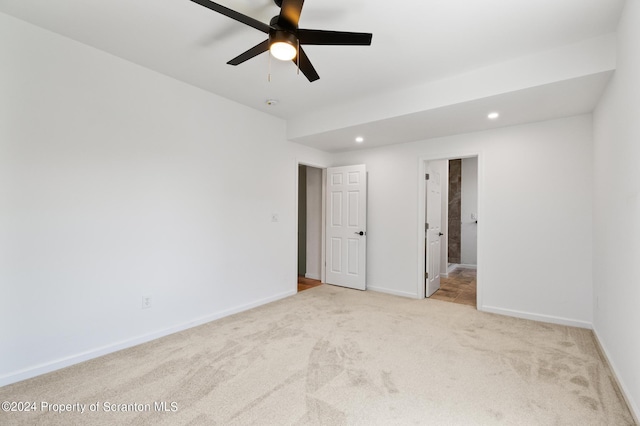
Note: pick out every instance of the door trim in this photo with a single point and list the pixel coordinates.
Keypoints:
(422, 160)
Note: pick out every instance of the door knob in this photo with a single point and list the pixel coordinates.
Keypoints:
(440, 234)
(359, 233)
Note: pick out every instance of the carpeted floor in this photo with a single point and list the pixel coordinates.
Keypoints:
(334, 356)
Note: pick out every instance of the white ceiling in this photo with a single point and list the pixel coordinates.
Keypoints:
(555, 100)
(414, 43)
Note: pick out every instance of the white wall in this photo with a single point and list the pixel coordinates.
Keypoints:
(118, 182)
(534, 240)
(469, 206)
(617, 211)
(314, 222)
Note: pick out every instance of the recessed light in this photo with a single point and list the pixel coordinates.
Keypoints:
(493, 115)
(359, 139)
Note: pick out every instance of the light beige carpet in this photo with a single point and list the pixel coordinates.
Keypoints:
(334, 356)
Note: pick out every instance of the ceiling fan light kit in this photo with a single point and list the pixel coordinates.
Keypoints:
(283, 45)
(285, 38)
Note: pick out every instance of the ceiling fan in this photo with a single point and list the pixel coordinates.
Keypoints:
(285, 38)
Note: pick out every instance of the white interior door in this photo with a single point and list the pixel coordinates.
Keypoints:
(346, 226)
(433, 230)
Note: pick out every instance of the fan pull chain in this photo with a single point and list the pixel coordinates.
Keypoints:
(269, 72)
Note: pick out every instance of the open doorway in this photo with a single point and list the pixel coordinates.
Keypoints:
(451, 221)
(309, 226)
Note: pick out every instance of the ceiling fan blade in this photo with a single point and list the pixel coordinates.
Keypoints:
(305, 66)
(247, 20)
(254, 51)
(290, 13)
(339, 38)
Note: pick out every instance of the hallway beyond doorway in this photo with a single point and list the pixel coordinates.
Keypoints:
(458, 287)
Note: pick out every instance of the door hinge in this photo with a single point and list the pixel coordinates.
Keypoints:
(426, 176)
(426, 226)
(426, 275)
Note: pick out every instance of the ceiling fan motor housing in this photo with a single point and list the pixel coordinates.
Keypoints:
(283, 36)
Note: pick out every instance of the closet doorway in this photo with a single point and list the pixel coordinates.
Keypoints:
(309, 226)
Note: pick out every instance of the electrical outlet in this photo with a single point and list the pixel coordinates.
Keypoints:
(147, 301)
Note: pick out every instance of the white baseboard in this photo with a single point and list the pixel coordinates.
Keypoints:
(393, 292)
(453, 266)
(466, 266)
(635, 410)
(124, 344)
(312, 276)
(537, 317)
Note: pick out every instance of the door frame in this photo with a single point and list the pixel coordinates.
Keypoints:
(449, 155)
(323, 262)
